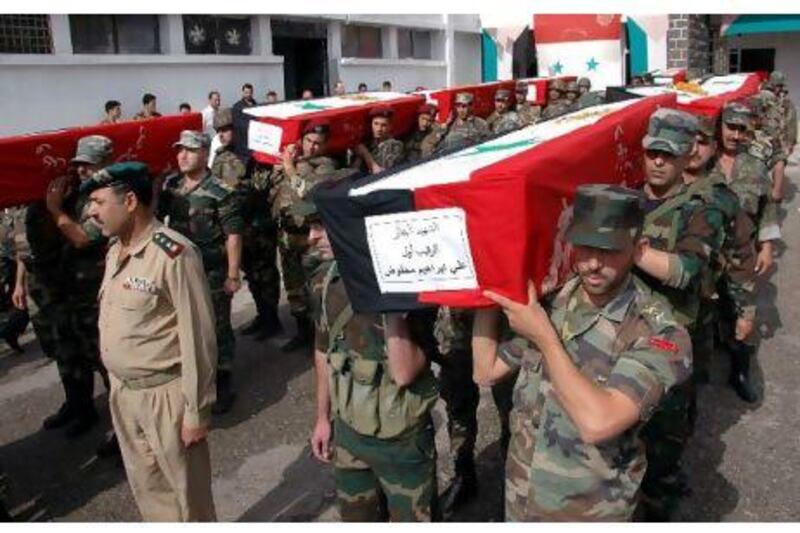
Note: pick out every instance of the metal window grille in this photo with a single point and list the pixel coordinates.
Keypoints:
(25, 34)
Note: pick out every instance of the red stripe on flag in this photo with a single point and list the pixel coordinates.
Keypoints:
(712, 106)
(30, 162)
(570, 28)
(514, 207)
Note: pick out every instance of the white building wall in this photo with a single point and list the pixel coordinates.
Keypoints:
(405, 75)
(467, 64)
(787, 55)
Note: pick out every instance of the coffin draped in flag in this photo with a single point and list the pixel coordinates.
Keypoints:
(30, 162)
(277, 125)
(491, 216)
(710, 96)
(483, 98)
(581, 45)
(537, 88)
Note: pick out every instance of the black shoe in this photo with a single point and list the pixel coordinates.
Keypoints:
(463, 489)
(61, 418)
(83, 423)
(304, 336)
(109, 447)
(741, 385)
(13, 342)
(225, 394)
(270, 326)
(254, 326)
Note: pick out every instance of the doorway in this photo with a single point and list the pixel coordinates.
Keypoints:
(304, 47)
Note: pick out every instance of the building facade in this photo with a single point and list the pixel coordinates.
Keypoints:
(57, 71)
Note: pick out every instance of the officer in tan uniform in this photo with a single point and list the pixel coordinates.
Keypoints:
(158, 343)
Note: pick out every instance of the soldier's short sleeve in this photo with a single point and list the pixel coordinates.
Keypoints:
(652, 366)
(230, 214)
(511, 348)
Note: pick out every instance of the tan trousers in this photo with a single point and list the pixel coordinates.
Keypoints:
(171, 483)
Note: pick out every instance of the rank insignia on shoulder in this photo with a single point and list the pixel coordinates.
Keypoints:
(660, 343)
(172, 248)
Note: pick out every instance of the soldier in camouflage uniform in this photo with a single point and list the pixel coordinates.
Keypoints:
(742, 167)
(572, 92)
(62, 256)
(584, 86)
(426, 124)
(207, 211)
(683, 229)
(290, 182)
(782, 116)
(587, 97)
(777, 80)
(13, 321)
(463, 129)
(731, 276)
(527, 113)
(260, 239)
(503, 119)
(593, 368)
(384, 151)
(557, 103)
(375, 381)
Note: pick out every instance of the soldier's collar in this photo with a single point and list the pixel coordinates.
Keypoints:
(615, 310)
(145, 238)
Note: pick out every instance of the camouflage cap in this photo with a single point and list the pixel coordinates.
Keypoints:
(521, 87)
(585, 82)
(756, 103)
(94, 150)
(557, 85)
(767, 97)
(737, 113)
(671, 131)
(305, 210)
(605, 216)
(572, 87)
(777, 78)
(193, 140)
(464, 98)
(223, 118)
(502, 94)
(117, 174)
(706, 126)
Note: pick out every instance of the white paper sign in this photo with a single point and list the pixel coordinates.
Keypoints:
(421, 251)
(265, 138)
(531, 92)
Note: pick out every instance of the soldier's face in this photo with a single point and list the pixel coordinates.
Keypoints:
(318, 239)
(501, 106)
(463, 111)
(113, 212)
(314, 144)
(554, 95)
(116, 112)
(732, 135)
(602, 271)
(424, 122)
(704, 150)
(225, 136)
(151, 106)
(192, 160)
(381, 128)
(572, 96)
(663, 169)
(247, 93)
(522, 97)
(583, 89)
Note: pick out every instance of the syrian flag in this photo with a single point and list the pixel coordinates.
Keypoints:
(31, 162)
(581, 45)
(491, 216)
(277, 125)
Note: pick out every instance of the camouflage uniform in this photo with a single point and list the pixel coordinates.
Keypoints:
(460, 134)
(387, 153)
(383, 438)
(527, 113)
(505, 123)
(207, 214)
(590, 99)
(13, 321)
(414, 143)
(633, 345)
(787, 110)
(293, 231)
(689, 225)
(560, 106)
(259, 238)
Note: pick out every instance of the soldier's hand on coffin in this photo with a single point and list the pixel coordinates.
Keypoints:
(56, 192)
(529, 320)
(744, 327)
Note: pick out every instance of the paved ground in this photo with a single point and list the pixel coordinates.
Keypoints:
(742, 462)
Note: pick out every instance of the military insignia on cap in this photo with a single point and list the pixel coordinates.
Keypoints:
(172, 248)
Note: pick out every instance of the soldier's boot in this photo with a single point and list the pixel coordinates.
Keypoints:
(740, 372)
(304, 336)
(15, 326)
(463, 488)
(67, 412)
(255, 326)
(109, 447)
(85, 413)
(225, 394)
(270, 324)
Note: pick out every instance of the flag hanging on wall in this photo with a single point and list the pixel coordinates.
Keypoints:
(581, 45)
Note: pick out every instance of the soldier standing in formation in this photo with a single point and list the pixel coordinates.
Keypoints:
(158, 343)
(503, 119)
(463, 129)
(527, 113)
(426, 124)
(384, 151)
(207, 211)
(557, 104)
(13, 321)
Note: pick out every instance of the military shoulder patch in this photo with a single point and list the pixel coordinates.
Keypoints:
(172, 248)
(662, 344)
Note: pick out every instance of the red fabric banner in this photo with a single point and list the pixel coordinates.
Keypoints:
(570, 28)
(518, 209)
(349, 125)
(30, 162)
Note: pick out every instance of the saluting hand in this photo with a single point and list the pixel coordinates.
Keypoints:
(55, 194)
(531, 320)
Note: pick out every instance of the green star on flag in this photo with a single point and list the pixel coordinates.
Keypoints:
(556, 67)
(592, 64)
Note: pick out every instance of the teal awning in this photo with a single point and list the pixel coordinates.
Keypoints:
(749, 24)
